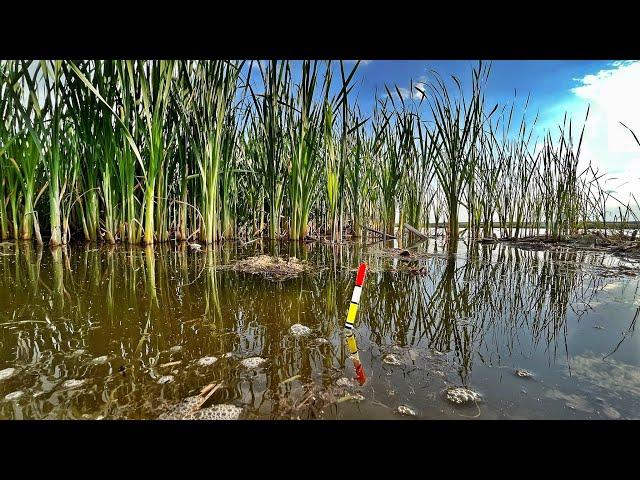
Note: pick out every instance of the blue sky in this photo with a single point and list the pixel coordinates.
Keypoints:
(611, 88)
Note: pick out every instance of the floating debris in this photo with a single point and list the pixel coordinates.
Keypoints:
(598, 327)
(298, 330)
(252, 362)
(228, 355)
(100, 360)
(461, 395)
(13, 396)
(320, 341)
(7, 373)
(345, 382)
(170, 364)
(401, 254)
(207, 361)
(392, 359)
(78, 352)
(290, 379)
(404, 410)
(73, 383)
(522, 373)
(177, 348)
(355, 397)
(166, 379)
(275, 268)
(195, 246)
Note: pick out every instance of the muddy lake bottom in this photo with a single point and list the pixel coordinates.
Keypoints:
(99, 332)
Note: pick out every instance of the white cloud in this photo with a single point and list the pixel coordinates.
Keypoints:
(614, 96)
(406, 93)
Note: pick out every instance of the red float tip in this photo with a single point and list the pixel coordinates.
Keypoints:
(361, 273)
(360, 376)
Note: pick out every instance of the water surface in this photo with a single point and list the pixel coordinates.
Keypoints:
(120, 318)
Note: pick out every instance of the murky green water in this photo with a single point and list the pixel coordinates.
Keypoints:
(469, 319)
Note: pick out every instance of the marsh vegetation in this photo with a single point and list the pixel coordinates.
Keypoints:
(144, 152)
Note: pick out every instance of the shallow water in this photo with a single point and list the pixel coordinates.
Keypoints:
(97, 332)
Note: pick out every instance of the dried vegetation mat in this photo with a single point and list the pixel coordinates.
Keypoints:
(274, 268)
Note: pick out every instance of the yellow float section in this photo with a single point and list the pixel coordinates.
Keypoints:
(351, 342)
(351, 316)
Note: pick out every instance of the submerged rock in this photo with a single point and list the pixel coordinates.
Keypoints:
(522, 373)
(7, 373)
(186, 410)
(166, 379)
(404, 410)
(298, 330)
(178, 411)
(10, 397)
(206, 361)
(392, 359)
(100, 360)
(461, 395)
(252, 362)
(216, 412)
(73, 383)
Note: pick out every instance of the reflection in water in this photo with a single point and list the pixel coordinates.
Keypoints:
(154, 311)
